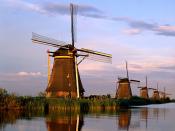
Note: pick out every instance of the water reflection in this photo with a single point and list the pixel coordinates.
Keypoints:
(125, 119)
(144, 115)
(64, 122)
(156, 113)
(8, 117)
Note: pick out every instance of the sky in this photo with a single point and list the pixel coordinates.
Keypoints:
(139, 31)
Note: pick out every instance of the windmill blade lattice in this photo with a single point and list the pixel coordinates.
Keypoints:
(152, 89)
(36, 38)
(161, 92)
(140, 87)
(135, 81)
(95, 55)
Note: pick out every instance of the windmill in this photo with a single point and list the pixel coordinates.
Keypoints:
(163, 94)
(144, 90)
(64, 80)
(156, 95)
(124, 87)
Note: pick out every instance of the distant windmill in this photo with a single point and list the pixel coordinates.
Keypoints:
(144, 90)
(156, 95)
(163, 94)
(124, 87)
(65, 80)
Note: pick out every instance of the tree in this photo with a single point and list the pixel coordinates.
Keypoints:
(3, 92)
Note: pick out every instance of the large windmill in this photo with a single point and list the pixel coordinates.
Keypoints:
(144, 90)
(124, 86)
(64, 80)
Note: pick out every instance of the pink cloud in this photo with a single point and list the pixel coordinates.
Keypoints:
(93, 66)
(132, 31)
(166, 28)
(23, 73)
(25, 5)
(148, 63)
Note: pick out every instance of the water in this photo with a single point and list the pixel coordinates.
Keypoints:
(145, 118)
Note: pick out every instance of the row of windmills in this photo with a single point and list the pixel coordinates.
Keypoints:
(64, 79)
(124, 89)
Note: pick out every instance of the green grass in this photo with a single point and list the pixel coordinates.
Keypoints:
(43, 104)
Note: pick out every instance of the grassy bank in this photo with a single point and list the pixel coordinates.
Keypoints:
(43, 104)
(81, 105)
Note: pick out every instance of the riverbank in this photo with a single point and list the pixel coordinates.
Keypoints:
(78, 105)
(43, 104)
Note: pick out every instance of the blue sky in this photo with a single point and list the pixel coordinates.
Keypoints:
(141, 32)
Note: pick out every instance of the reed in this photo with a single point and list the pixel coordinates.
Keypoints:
(46, 105)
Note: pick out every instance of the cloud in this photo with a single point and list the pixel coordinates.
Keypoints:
(23, 83)
(91, 68)
(142, 25)
(139, 26)
(149, 64)
(132, 31)
(135, 23)
(25, 5)
(23, 73)
(21, 77)
(166, 30)
(56, 8)
(84, 10)
(169, 68)
(50, 8)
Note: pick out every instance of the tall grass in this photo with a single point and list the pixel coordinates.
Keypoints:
(43, 104)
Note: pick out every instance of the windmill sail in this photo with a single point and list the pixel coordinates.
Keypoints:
(36, 38)
(134, 81)
(95, 55)
(152, 89)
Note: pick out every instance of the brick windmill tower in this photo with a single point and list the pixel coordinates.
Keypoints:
(156, 94)
(144, 91)
(124, 86)
(64, 80)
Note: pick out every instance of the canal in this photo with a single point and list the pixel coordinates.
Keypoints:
(145, 118)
